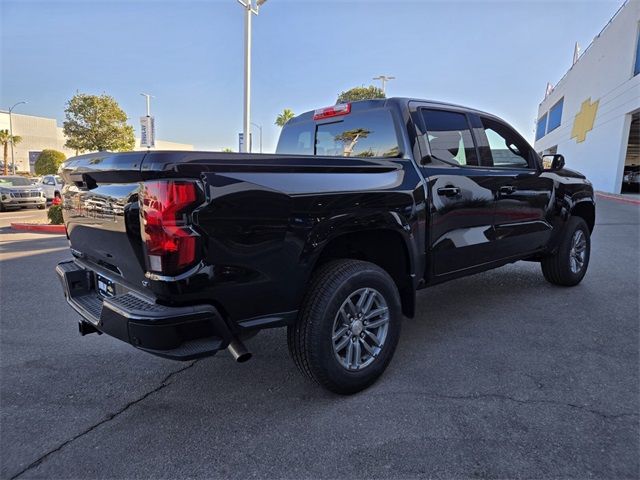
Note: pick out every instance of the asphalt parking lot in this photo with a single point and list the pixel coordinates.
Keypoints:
(501, 375)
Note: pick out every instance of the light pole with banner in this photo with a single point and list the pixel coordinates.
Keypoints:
(147, 126)
(251, 7)
(13, 162)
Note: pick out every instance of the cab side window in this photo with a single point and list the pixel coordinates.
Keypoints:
(505, 147)
(449, 137)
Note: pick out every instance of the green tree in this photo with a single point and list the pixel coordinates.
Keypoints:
(284, 117)
(96, 123)
(48, 162)
(5, 140)
(360, 93)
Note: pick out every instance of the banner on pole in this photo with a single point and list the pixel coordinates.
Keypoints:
(147, 132)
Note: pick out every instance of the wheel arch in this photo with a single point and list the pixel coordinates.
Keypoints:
(587, 211)
(388, 248)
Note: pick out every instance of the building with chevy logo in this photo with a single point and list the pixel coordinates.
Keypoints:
(592, 115)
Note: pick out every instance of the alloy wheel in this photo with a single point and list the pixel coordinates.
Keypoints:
(360, 329)
(578, 252)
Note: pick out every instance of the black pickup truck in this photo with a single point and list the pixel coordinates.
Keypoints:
(183, 254)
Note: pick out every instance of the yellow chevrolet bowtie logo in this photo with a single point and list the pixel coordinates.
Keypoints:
(583, 122)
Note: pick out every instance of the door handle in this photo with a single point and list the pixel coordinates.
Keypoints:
(449, 191)
(507, 189)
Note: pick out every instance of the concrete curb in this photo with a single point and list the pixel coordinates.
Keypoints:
(618, 198)
(38, 227)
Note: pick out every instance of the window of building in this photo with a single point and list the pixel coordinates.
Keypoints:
(541, 128)
(636, 70)
(555, 116)
(450, 137)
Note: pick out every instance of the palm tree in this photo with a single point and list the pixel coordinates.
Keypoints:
(5, 140)
(284, 117)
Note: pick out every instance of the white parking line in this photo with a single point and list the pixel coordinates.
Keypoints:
(14, 218)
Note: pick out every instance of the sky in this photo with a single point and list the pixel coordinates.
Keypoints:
(496, 56)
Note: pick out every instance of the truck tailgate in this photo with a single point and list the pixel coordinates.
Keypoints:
(101, 212)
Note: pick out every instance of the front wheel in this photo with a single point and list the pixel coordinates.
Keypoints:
(348, 326)
(568, 265)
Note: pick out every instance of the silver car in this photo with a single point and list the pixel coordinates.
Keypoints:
(52, 186)
(19, 192)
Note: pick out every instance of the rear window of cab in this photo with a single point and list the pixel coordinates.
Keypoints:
(370, 133)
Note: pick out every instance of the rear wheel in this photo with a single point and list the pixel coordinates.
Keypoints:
(568, 265)
(348, 326)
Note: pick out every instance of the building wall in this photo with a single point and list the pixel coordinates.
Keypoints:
(603, 73)
(39, 133)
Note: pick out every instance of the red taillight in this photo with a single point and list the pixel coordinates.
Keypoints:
(335, 111)
(170, 244)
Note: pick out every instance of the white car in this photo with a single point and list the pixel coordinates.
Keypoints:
(52, 186)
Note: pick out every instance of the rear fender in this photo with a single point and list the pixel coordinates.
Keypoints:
(383, 238)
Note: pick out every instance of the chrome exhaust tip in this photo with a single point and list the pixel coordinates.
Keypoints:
(238, 351)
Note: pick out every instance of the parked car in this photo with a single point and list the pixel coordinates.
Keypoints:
(631, 177)
(183, 254)
(52, 186)
(18, 192)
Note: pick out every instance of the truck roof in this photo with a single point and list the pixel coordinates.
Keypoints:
(361, 105)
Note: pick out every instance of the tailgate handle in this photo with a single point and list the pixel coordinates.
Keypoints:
(449, 191)
(87, 182)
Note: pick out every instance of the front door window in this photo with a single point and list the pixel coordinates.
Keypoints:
(507, 149)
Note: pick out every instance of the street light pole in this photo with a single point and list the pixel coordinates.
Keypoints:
(260, 128)
(148, 97)
(384, 79)
(13, 162)
(249, 10)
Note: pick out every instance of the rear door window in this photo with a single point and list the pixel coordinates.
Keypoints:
(449, 137)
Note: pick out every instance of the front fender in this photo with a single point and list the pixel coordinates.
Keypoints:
(572, 194)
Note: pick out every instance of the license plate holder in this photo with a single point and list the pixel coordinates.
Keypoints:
(106, 288)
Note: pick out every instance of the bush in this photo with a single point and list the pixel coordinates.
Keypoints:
(48, 162)
(55, 215)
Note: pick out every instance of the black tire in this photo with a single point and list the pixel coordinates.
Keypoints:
(557, 268)
(310, 338)
(40, 207)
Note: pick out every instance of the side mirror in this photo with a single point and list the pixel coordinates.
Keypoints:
(553, 162)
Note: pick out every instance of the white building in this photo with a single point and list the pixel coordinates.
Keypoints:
(592, 116)
(39, 133)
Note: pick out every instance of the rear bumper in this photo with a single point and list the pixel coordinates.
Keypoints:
(178, 333)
